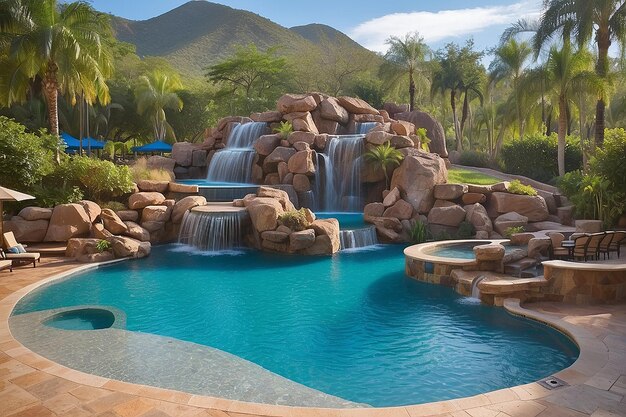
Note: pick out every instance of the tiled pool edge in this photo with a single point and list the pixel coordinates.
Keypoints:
(593, 357)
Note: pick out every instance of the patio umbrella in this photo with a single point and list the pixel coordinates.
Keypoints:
(7, 194)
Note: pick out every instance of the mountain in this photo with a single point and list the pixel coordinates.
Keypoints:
(199, 33)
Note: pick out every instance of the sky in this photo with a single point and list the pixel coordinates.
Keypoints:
(369, 22)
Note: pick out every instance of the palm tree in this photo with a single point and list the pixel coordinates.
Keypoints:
(604, 21)
(57, 45)
(154, 93)
(408, 54)
(567, 70)
(385, 156)
(509, 63)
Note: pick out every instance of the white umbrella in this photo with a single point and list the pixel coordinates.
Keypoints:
(7, 194)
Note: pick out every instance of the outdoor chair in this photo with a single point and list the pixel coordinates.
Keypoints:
(18, 258)
(556, 250)
(617, 241)
(5, 263)
(591, 251)
(605, 244)
(580, 247)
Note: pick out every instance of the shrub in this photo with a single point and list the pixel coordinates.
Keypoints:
(419, 232)
(295, 220)
(610, 160)
(535, 156)
(53, 196)
(99, 179)
(25, 158)
(284, 129)
(510, 231)
(475, 159)
(384, 156)
(113, 205)
(103, 246)
(140, 171)
(516, 187)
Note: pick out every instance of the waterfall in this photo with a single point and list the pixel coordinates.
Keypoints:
(364, 127)
(358, 238)
(212, 231)
(234, 162)
(338, 183)
(475, 289)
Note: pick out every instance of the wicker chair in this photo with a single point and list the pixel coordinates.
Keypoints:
(556, 250)
(605, 244)
(591, 251)
(580, 247)
(617, 241)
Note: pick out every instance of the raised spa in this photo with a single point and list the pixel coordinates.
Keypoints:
(352, 325)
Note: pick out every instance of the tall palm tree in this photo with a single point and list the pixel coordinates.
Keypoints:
(57, 45)
(409, 55)
(154, 93)
(604, 21)
(509, 63)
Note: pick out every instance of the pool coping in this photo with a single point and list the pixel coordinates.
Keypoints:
(594, 355)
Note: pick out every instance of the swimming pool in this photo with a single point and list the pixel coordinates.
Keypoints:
(352, 325)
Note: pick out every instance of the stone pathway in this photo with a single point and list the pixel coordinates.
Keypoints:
(31, 385)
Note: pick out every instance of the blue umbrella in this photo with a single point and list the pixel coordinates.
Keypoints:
(157, 146)
(73, 144)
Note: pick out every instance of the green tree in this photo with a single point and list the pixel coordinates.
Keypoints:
(604, 21)
(385, 156)
(509, 64)
(252, 75)
(406, 56)
(154, 93)
(56, 45)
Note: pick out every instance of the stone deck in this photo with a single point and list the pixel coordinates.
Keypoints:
(31, 385)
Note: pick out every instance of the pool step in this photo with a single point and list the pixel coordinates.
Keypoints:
(495, 288)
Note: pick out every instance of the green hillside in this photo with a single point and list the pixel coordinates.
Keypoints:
(199, 33)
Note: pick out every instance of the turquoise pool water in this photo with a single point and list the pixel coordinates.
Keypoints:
(347, 221)
(351, 325)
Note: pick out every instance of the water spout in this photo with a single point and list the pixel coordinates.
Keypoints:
(475, 289)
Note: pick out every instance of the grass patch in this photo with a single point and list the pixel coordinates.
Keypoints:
(466, 176)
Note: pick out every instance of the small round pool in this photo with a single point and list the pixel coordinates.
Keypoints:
(462, 250)
(82, 319)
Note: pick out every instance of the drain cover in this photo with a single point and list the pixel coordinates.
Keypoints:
(552, 382)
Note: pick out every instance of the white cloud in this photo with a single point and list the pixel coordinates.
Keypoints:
(441, 25)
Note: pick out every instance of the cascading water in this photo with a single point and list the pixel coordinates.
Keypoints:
(475, 289)
(234, 162)
(212, 231)
(364, 127)
(358, 238)
(338, 183)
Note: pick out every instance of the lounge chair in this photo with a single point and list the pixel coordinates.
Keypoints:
(556, 250)
(617, 241)
(580, 247)
(17, 258)
(5, 263)
(605, 244)
(591, 251)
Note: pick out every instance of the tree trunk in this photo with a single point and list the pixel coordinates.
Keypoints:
(602, 69)
(464, 115)
(411, 91)
(51, 88)
(455, 120)
(562, 131)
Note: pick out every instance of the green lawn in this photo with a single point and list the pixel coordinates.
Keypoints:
(465, 176)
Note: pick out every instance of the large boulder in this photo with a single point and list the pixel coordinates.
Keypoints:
(76, 247)
(128, 215)
(291, 103)
(29, 231)
(98, 231)
(182, 152)
(307, 137)
(532, 207)
(185, 204)
(332, 110)
(378, 137)
(112, 222)
(330, 228)
(477, 216)
(513, 219)
(67, 221)
(416, 177)
(175, 187)
(356, 105)
(403, 128)
(374, 210)
(447, 216)
(153, 185)
(264, 214)
(127, 247)
(267, 117)
(449, 191)
(305, 124)
(282, 195)
(489, 252)
(434, 129)
(144, 199)
(279, 154)
(156, 214)
(137, 232)
(35, 213)
(301, 240)
(400, 210)
(92, 209)
(266, 144)
(302, 163)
